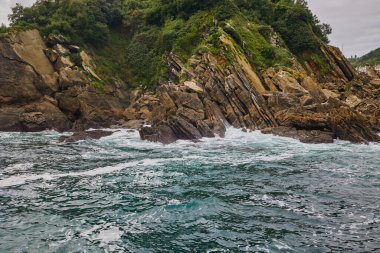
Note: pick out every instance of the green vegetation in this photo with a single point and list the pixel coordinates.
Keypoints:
(130, 38)
(372, 58)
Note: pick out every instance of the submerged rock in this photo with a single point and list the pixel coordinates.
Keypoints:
(85, 135)
(305, 136)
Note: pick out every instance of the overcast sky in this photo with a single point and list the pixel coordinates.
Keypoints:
(355, 23)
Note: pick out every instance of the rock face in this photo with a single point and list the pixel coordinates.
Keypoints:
(47, 85)
(41, 88)
(204, 98)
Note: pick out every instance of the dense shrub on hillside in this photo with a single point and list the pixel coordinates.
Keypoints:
(138, 33)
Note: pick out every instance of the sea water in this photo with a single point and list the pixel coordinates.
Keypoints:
(247, 192)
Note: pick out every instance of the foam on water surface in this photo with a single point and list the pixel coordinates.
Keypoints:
(246, 192)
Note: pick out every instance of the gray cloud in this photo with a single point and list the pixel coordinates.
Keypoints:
(356, 24)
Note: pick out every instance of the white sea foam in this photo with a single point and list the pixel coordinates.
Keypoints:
(22, 179)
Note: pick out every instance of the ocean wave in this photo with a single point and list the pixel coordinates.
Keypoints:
(22, 179)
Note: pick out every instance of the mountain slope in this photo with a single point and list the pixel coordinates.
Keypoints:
(372, 58)
(137, 34)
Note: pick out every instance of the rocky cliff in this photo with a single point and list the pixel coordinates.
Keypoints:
(47, 85)
(201, 100)
(50, 84)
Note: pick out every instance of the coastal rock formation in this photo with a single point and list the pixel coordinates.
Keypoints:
(51, 85)
(42, 88)
(203, 99)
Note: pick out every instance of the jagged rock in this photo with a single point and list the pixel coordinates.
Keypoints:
(351, 126)
(50, 82)
(190, 115)
(68, 102)
(340, 66)
(314, 89)
(69, 77)
(88, 64)
(302, 119)
(163, 134)
(193, 86)
(52, 55)
(63, 62)
(286, 83)
(54, 39)
(30, 87)
(85, 135)
(205, 130)
(279, 101)
(61, 50)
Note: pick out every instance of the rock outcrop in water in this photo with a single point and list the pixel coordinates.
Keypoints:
(47, 85)
(204, 98)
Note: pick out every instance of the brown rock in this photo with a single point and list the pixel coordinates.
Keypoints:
(351, 126)
(163, 134)
(85, 135)
(69, 77)
(330, 94)
(61, 50)
(353, 101)
(190, 115)
(29, 47)
(52, 55)
(62, 63)
(33, 121)
(302, 119)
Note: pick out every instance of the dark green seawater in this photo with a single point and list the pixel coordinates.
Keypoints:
(247, 192)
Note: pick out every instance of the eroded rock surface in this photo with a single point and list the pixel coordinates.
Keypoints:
(41, 87)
